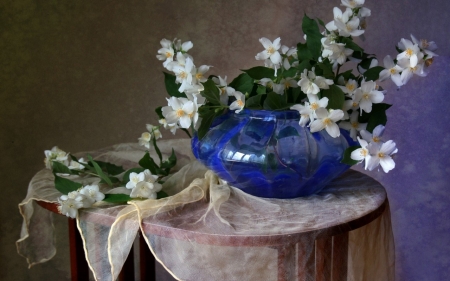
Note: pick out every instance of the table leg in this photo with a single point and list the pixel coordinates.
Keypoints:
(127, 272)
(78, 265)
(340, 257)
(323, 259)
(147, 260)
(305, 260)
(286, 262)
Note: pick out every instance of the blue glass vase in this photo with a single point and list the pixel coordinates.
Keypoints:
(268, 154)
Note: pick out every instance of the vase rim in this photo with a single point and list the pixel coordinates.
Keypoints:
(262, 113)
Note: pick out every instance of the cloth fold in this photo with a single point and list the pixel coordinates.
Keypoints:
(208, 230)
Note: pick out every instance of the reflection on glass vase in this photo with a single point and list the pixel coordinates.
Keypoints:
(268, 154)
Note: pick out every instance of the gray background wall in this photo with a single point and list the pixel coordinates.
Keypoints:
(83, 75)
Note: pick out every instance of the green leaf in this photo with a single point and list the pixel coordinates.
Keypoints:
(260, 72)
(313, 36)
(377, 116)
(99, 171)
(304, 65)
(275, 101)
(261, 90)
(243, 83)
(288, 131)
(303, 52)
(110, 168)
(347, 159)
(254, 102)
(172, 86)
(297, 95)
(161, 195)
(349, 44)
(347, 75)
(61, 168)
(65, 186)
(336, 97)
(117, 198)
(169, 163)
(211, 92)
(327, 70)
(147, 162)
(292, 72)
(158, 111)
(321, 22)
(207, 119)
(373, 73)
(126, 176)
(158, 152)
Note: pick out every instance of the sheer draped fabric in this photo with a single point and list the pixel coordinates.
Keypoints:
(208, 230)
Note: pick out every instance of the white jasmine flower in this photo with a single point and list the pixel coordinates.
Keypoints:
(194, 89)
(322, 82)
(336, 53)
(327, 120)
(305, 113)
(199, 74)
(352, 4)
(362, 153)
(353, 126)
(288, 53)
(381, 155)
(172, 127)
(145, 139)
(186, 46)
(427, 47)
(352, 104)
(409, 70)
(135, 178)
(267, 82)
(410, 52)
(375, 137)
(285, 84)
(92, 193)
(367, 95)
(70, 203)
(225, 91)
(166, 53)
(55, 154)
(338, 16)
(391, 70)
(179, 110)
(197, 100)
(307, 84)
(239, 103)
(350, 87)
(314, 104)
(147, 187)
(143, 190)
(184, 74)
(271, 51)
(154, 130)
(77, 165)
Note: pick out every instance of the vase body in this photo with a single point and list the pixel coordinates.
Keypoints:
(268, 154)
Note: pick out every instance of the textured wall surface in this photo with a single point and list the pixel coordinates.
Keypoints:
(83, 75)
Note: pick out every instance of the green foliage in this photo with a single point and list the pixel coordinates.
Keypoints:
(275, 101)
(158, 111)
(243, 83)
(336, 97)
(373, 73)
(61, 169)
(208, 116)
(147, 162)
(99, 171)
(377, 116)
(348, 41)
(117, 198)
(211, 92)
(303, 53)
(254, 102)
(65, 186)
(261, 90)
(347, 153)
(260, 72)
(313, 37)
(110, 168)
(172, 86)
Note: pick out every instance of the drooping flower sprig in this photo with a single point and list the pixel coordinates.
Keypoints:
(83, 183)
(306, 78)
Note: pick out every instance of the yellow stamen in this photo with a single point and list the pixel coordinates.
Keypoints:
(380, 154)
(271, 50)
(350, 87)
(424, 43)
(376, 139)
(199, 76)
(366, 96)
(168, 55)
(314, 106)
(183, 75)
(355, 125)
(327, 121)
(180, 112)
(409, 52)
(363, 152)
(355, 104)
(393, 71)
(240, 103)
